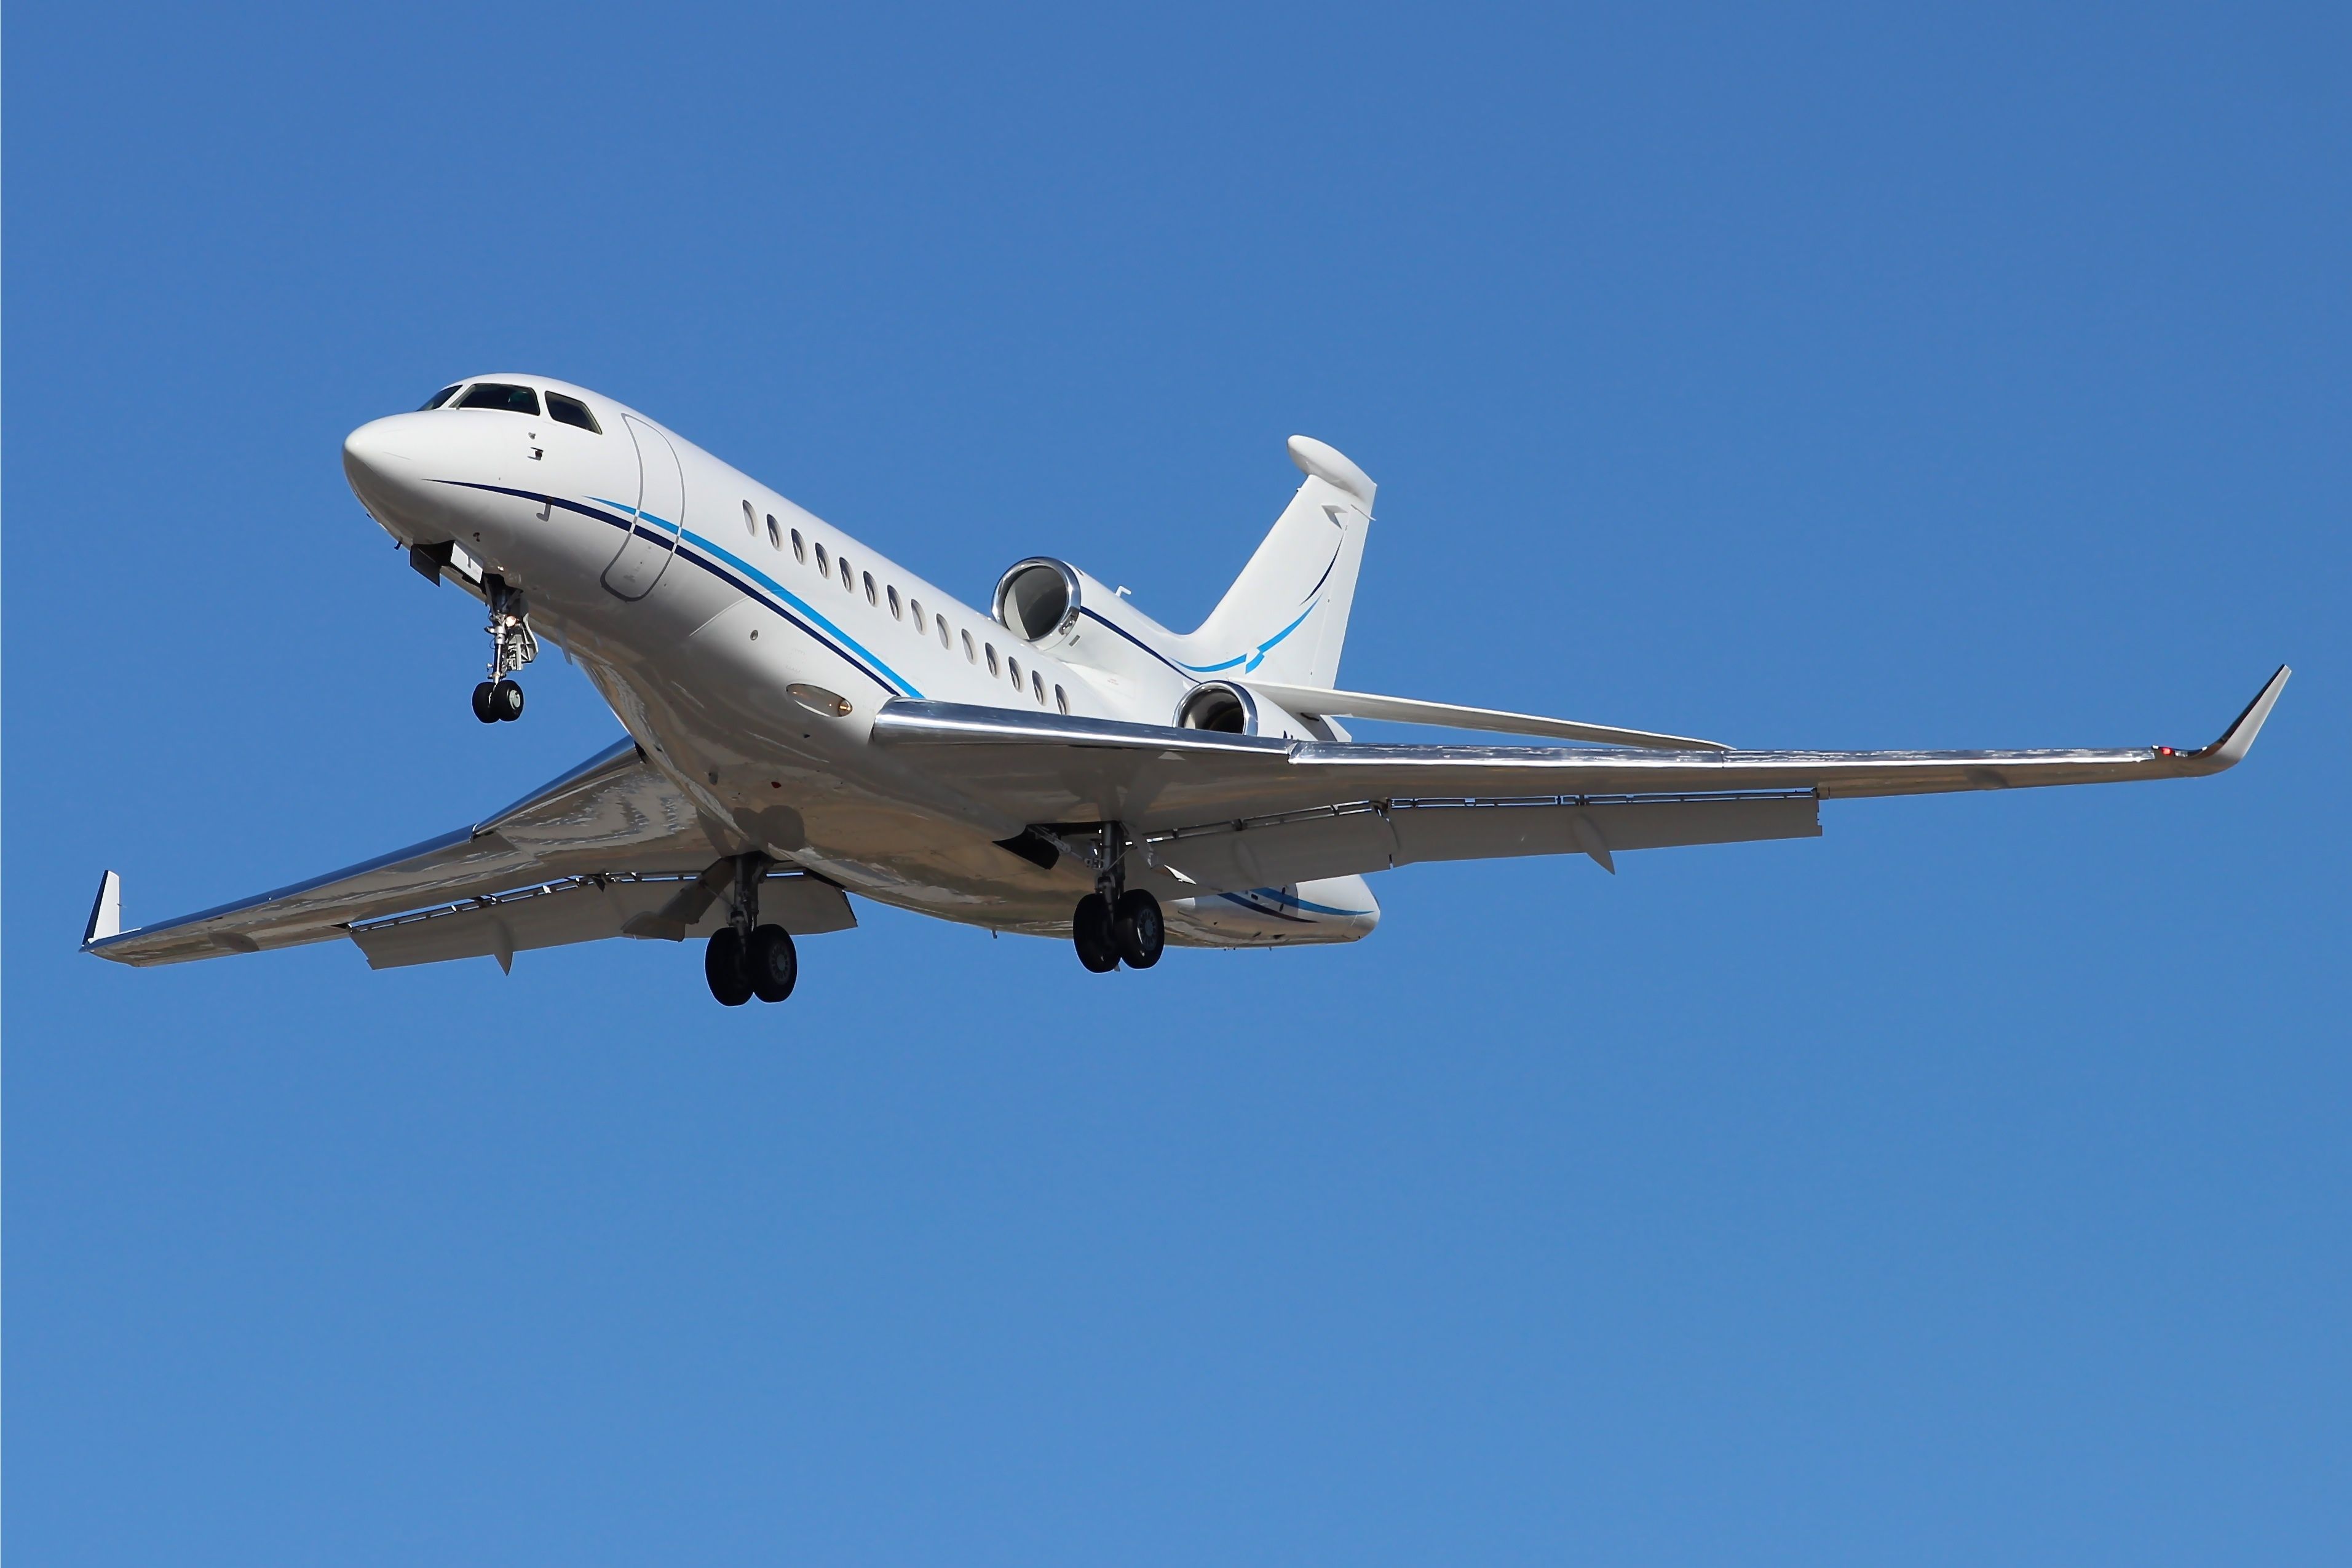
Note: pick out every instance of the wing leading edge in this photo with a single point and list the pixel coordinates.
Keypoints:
(583, 857)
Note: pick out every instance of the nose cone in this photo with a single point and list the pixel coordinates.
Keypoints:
(383, 461)
(373, 455)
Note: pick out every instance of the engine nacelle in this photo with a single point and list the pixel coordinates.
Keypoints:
(1038, 600)
(1230, 707)
(1056, 608)
(1221, 706)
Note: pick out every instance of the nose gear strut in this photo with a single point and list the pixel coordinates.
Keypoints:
(512, 646)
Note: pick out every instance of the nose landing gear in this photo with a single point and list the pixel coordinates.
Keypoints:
(745, 959)
(1117, 924)
(495, 700)
(512, 646)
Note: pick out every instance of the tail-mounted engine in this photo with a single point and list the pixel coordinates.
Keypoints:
(1037, 601)
(1219, 705)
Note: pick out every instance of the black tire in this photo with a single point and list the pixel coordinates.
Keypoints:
(506, 701)
(723, 966)
(1140, 929)
(482, 708)
(771, 964)
(1091, 933)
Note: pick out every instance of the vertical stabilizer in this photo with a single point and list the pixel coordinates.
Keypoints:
(1286, 617)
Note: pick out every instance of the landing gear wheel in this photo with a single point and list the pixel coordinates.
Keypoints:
(1140, 931)
(771, 963)
(723, 966)
(482, 708)
(1090, 933)
(506, 701)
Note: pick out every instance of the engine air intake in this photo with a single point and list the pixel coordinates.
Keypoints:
(1218, 705)
(1037, 600)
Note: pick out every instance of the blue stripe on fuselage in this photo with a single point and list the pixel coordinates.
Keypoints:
(784, 601)
(1290, 899)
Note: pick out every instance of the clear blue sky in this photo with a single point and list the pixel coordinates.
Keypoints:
(1969, 1185)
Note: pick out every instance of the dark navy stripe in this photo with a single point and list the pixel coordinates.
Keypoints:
(1327, 568)
(1138, 641)
(839, 642)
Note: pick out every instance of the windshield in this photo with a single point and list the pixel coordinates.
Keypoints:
(498, 394)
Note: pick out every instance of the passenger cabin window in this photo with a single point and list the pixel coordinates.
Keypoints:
(897, 612)
(498, 394)
(943, 631)
(823, 567)
(1037, 688)
(1061, 699)
(1015, 666)
(871, 596)
(750, 520)
(992, 658)
(571, 411)
(847, 581)
(440, 397)
(800, 551)
(915, 608)
(775, 535)
(969, 656)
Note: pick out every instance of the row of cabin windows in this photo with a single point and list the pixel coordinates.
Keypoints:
(900, 610)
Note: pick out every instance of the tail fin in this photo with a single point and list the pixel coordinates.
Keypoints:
(1286, 617)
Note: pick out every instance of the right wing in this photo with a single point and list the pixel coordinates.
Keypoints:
(1224, 811)
(611, 849)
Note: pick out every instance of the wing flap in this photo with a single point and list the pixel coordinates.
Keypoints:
(584, 909)
(1365, 836)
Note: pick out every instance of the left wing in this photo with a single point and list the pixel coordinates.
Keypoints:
(611, 849)
(1352, 801)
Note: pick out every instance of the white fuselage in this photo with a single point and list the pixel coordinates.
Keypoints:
(746, 645)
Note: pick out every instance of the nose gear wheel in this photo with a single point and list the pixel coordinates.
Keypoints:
(512, 646)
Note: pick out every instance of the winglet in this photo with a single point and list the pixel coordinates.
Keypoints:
(106, 912)
(2239, 738)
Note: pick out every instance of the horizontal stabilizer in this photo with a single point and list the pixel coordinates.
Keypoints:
(1312, 702)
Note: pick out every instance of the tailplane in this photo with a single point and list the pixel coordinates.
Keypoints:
(1286, 617)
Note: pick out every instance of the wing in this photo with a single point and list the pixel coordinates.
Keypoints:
(611, 849)
(1229, 811)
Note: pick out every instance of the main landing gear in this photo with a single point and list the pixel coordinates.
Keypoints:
(500, 699)
(1117, 924)
(743, 958)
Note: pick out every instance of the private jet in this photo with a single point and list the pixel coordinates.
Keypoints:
(806, 719)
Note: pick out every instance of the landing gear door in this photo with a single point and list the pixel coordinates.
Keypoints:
(660, 518)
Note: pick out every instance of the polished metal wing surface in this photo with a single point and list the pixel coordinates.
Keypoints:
(1234, 810)
(610, 842)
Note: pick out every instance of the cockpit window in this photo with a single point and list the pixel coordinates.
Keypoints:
(571, 411)
(498, 394)
(442, 396)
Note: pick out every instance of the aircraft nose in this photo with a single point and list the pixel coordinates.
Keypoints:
(374, 451)
(384, 461)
